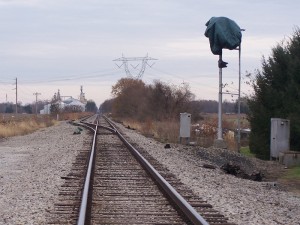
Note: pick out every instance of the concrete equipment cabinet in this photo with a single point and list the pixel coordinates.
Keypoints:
(185, 127)
(280, 137)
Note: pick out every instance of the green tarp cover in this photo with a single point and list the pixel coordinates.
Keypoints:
(222, 33)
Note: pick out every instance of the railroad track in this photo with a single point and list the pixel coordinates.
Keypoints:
(124, 187)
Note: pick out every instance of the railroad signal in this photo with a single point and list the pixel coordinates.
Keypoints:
(224, 33)
(222, 64)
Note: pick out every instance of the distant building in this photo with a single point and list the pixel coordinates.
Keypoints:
(47, 108)
(70, 102)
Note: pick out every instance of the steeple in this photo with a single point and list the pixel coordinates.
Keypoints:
(82, 96)
(58, 95)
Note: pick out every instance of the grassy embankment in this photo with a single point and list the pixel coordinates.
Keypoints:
(168, 130)
(293, 173)
(291, 179)
(21, 124)
(246, 152)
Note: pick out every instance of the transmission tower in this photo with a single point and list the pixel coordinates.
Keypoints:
(138, 64)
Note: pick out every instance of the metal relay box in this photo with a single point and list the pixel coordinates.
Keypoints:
(185, 125)
(280, 136)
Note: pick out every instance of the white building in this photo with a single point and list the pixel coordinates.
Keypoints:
(47, 108)
(74, 102)
(67, 103)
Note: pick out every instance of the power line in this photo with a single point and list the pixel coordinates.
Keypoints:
(96, 74)
(184, 78)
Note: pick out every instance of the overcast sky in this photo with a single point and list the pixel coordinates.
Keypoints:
(62, 44)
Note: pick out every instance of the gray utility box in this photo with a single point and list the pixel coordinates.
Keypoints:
(280, 137)
(185, 125)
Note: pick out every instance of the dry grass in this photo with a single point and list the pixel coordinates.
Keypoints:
(129, 123)
(228, 121)
(231, 142)
(168, 131)
(21, 125)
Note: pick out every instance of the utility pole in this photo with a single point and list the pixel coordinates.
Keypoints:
(36, 96)
(16, 95)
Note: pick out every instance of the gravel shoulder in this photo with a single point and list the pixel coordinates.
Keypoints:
(242, 201)
(31, 167)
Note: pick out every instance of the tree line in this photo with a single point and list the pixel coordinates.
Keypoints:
(158, 101)
(10, 107)
(132, 98)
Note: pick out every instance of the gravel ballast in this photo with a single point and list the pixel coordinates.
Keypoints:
(31, 168)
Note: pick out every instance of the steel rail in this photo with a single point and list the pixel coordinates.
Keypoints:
(84, 198)
(186, 208)
(113, 130)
